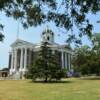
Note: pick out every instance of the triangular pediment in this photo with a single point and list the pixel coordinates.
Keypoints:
(19, 42)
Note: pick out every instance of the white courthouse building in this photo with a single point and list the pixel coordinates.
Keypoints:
(23, 53)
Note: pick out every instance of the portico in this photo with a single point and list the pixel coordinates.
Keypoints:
(21, 56)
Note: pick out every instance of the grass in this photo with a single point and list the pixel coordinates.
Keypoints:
(70, 89)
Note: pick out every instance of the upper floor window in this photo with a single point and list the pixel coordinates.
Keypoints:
(48, 38)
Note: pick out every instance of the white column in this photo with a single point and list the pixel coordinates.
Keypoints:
(62, 59)
(21, 59)
(65, 60)
(12, 59)
(25, 59)
(53, 51)
(15, 60)
(69, 61)
(30, 56)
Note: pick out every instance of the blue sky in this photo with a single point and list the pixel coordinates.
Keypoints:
(33, 34)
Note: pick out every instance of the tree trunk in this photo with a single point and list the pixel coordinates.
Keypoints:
(46, 79)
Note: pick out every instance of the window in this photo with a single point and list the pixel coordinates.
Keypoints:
(48, 38)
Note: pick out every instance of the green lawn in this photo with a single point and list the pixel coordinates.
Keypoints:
(71, 89)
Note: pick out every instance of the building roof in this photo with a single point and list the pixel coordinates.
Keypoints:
(20, 42)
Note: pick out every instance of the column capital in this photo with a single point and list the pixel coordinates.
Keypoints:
(25, 48)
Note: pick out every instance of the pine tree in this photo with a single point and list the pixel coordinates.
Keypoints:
(46, 66)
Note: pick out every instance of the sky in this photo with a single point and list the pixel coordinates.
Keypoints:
(33, 35)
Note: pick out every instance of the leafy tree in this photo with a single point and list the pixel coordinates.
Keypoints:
(64, 13)
(46, 66)
(96, 50)
(86, 61)
(1, 37)
(80, 60)
(79, 57)
(96, 43)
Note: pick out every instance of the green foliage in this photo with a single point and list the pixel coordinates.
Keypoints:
(46, 66)
(1, 37)
(96, 43)
(64, 13)
(87, 60)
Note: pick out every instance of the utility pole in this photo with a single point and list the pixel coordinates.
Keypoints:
(18, 29)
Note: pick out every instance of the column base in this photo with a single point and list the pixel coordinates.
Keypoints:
(12, 71)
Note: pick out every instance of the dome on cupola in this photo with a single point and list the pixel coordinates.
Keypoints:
(48, 35)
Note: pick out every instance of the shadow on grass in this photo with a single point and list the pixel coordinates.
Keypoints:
(53, 82)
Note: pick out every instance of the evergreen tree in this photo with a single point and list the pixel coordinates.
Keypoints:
(46, 66)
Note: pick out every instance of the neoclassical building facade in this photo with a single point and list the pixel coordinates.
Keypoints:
(23, 54)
